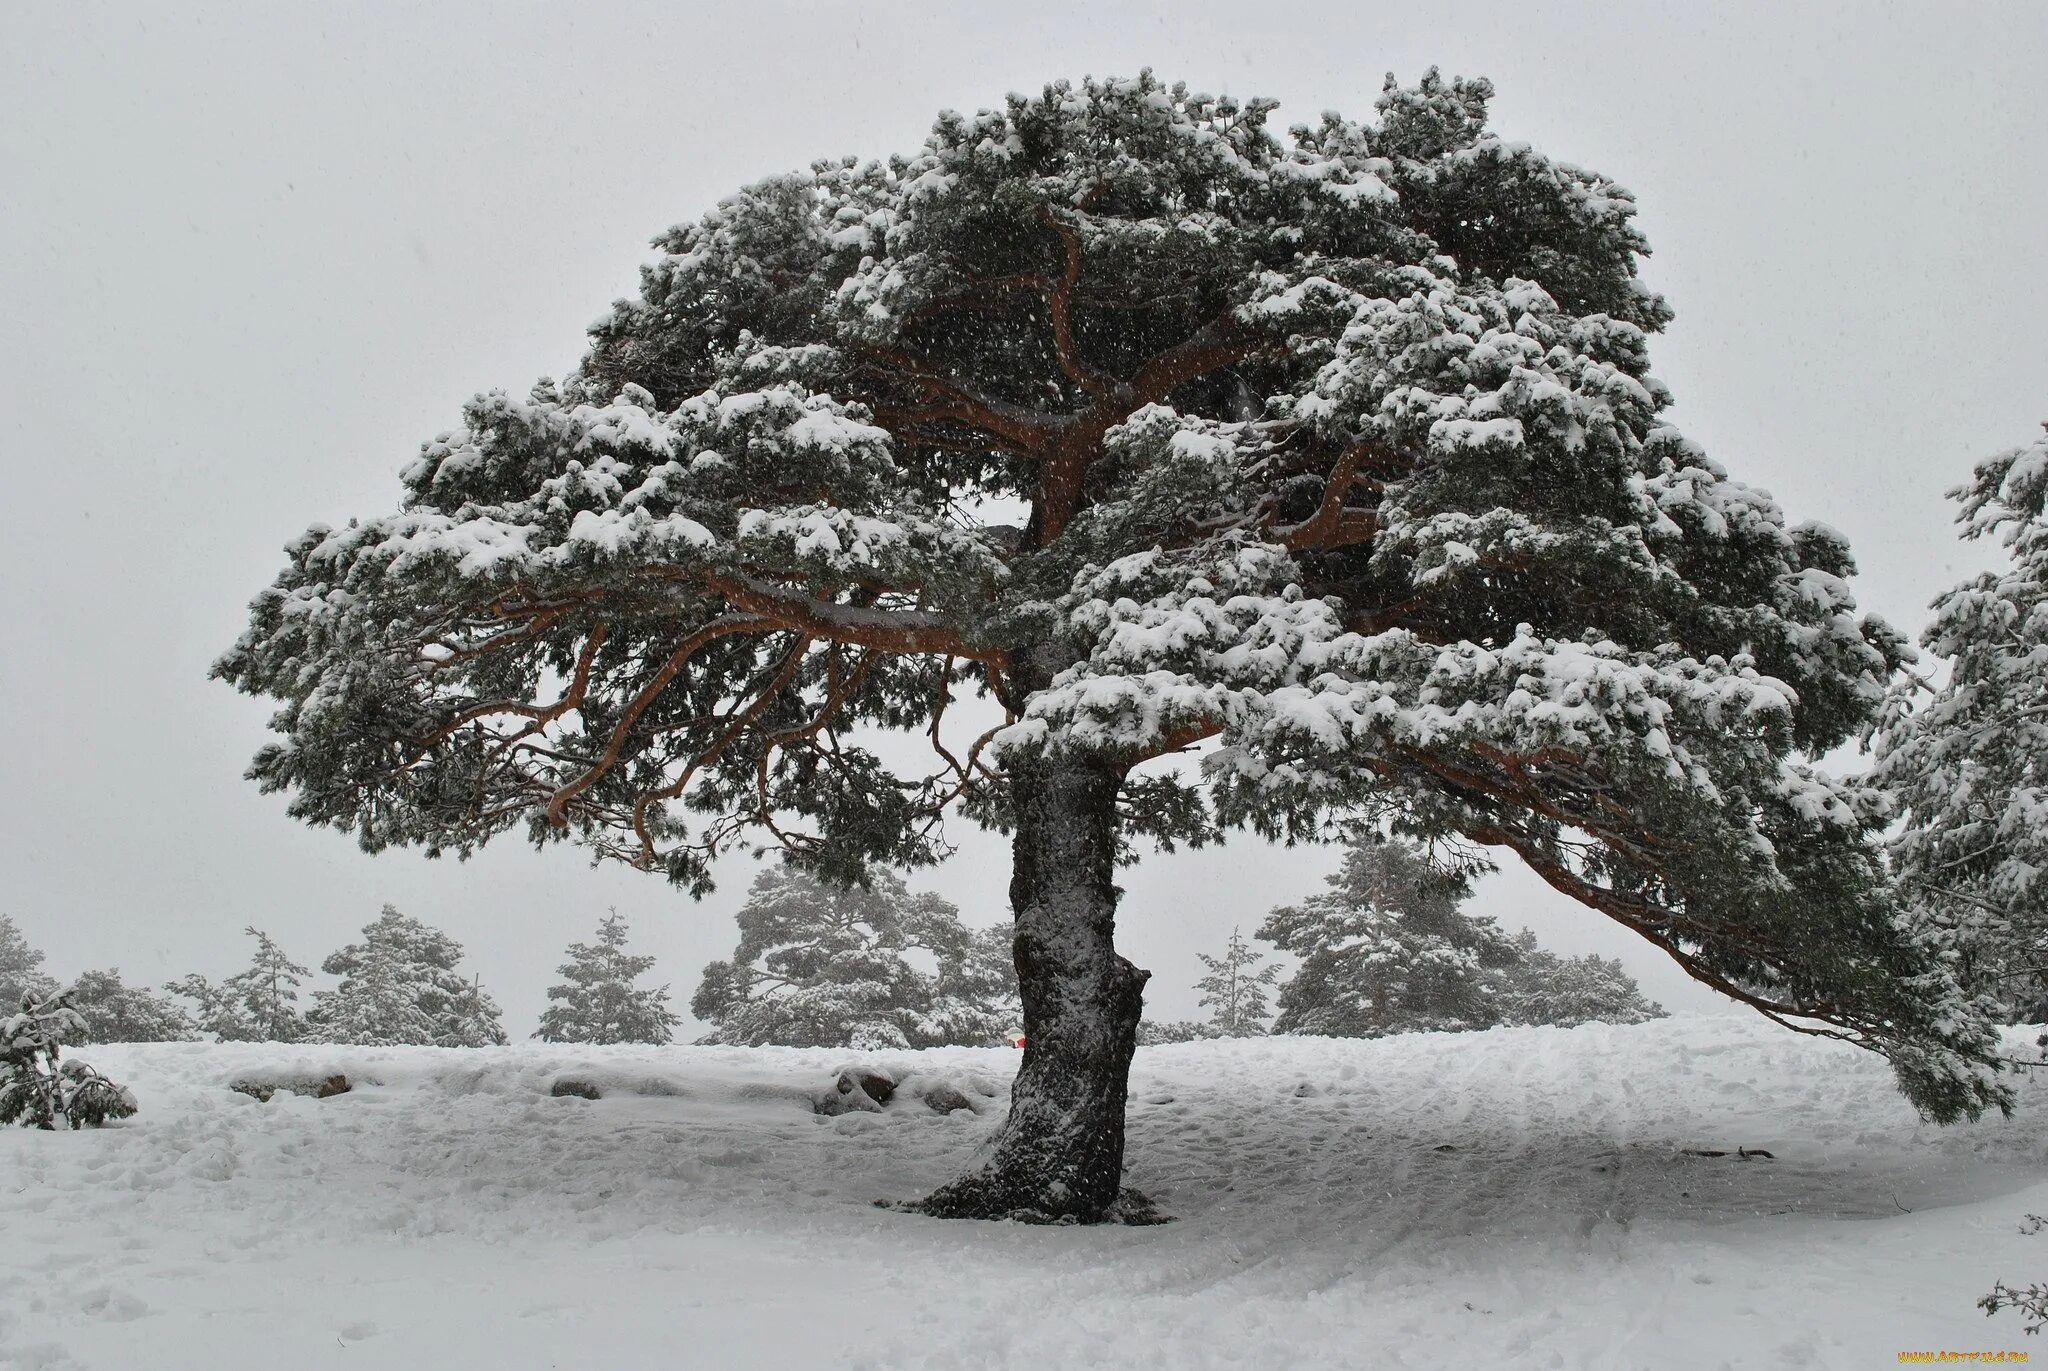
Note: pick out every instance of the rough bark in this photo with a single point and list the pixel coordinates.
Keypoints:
(1059, 1156)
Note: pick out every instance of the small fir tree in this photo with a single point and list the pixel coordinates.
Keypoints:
(114, 1012)
(37, 1085)
(1235, 989)
(820, 965)
(400, 985)
(18, 963)
(1966, 762)
(597, 1001)
(259, 1004)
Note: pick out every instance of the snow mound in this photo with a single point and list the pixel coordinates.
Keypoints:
(1521, 1197)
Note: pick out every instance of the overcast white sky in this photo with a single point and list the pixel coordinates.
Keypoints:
(251, 256)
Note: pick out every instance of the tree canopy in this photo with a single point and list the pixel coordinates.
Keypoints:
(1335, 451)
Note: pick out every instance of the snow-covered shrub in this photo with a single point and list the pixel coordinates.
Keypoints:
(1152, 1034)
(820, 965)
(597, 1001)
(37, 1085)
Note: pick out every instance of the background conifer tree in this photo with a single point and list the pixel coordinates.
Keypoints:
(1387, 949)
(597, 1002)
(1235, 989)
(1340, 449)
(114, 1012)
(259, 1004)
(1540, 987)
(18, 973)
(400, 985)
(820, 965)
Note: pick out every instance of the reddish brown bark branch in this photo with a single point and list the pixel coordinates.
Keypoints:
(740, 719)
(558, 804)
(883, 630)
(1059, 305)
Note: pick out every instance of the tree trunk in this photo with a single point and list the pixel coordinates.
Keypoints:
(1059, 1157)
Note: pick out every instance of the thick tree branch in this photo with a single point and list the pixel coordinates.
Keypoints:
(901, 631)
(1059, 304)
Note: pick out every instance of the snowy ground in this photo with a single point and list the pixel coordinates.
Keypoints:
(1515, 1198)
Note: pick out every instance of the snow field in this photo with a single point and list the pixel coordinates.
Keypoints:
(1520, 1197)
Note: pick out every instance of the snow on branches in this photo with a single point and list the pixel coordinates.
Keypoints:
(37, 1086)
(1339, 451)
(1966, 760)
(822, 966)
(596, 1000)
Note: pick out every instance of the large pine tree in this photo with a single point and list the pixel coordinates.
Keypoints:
(1338, 449)
(597, 1002)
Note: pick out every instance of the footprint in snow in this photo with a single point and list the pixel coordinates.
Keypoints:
(357, 1331)
(116, 1306)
